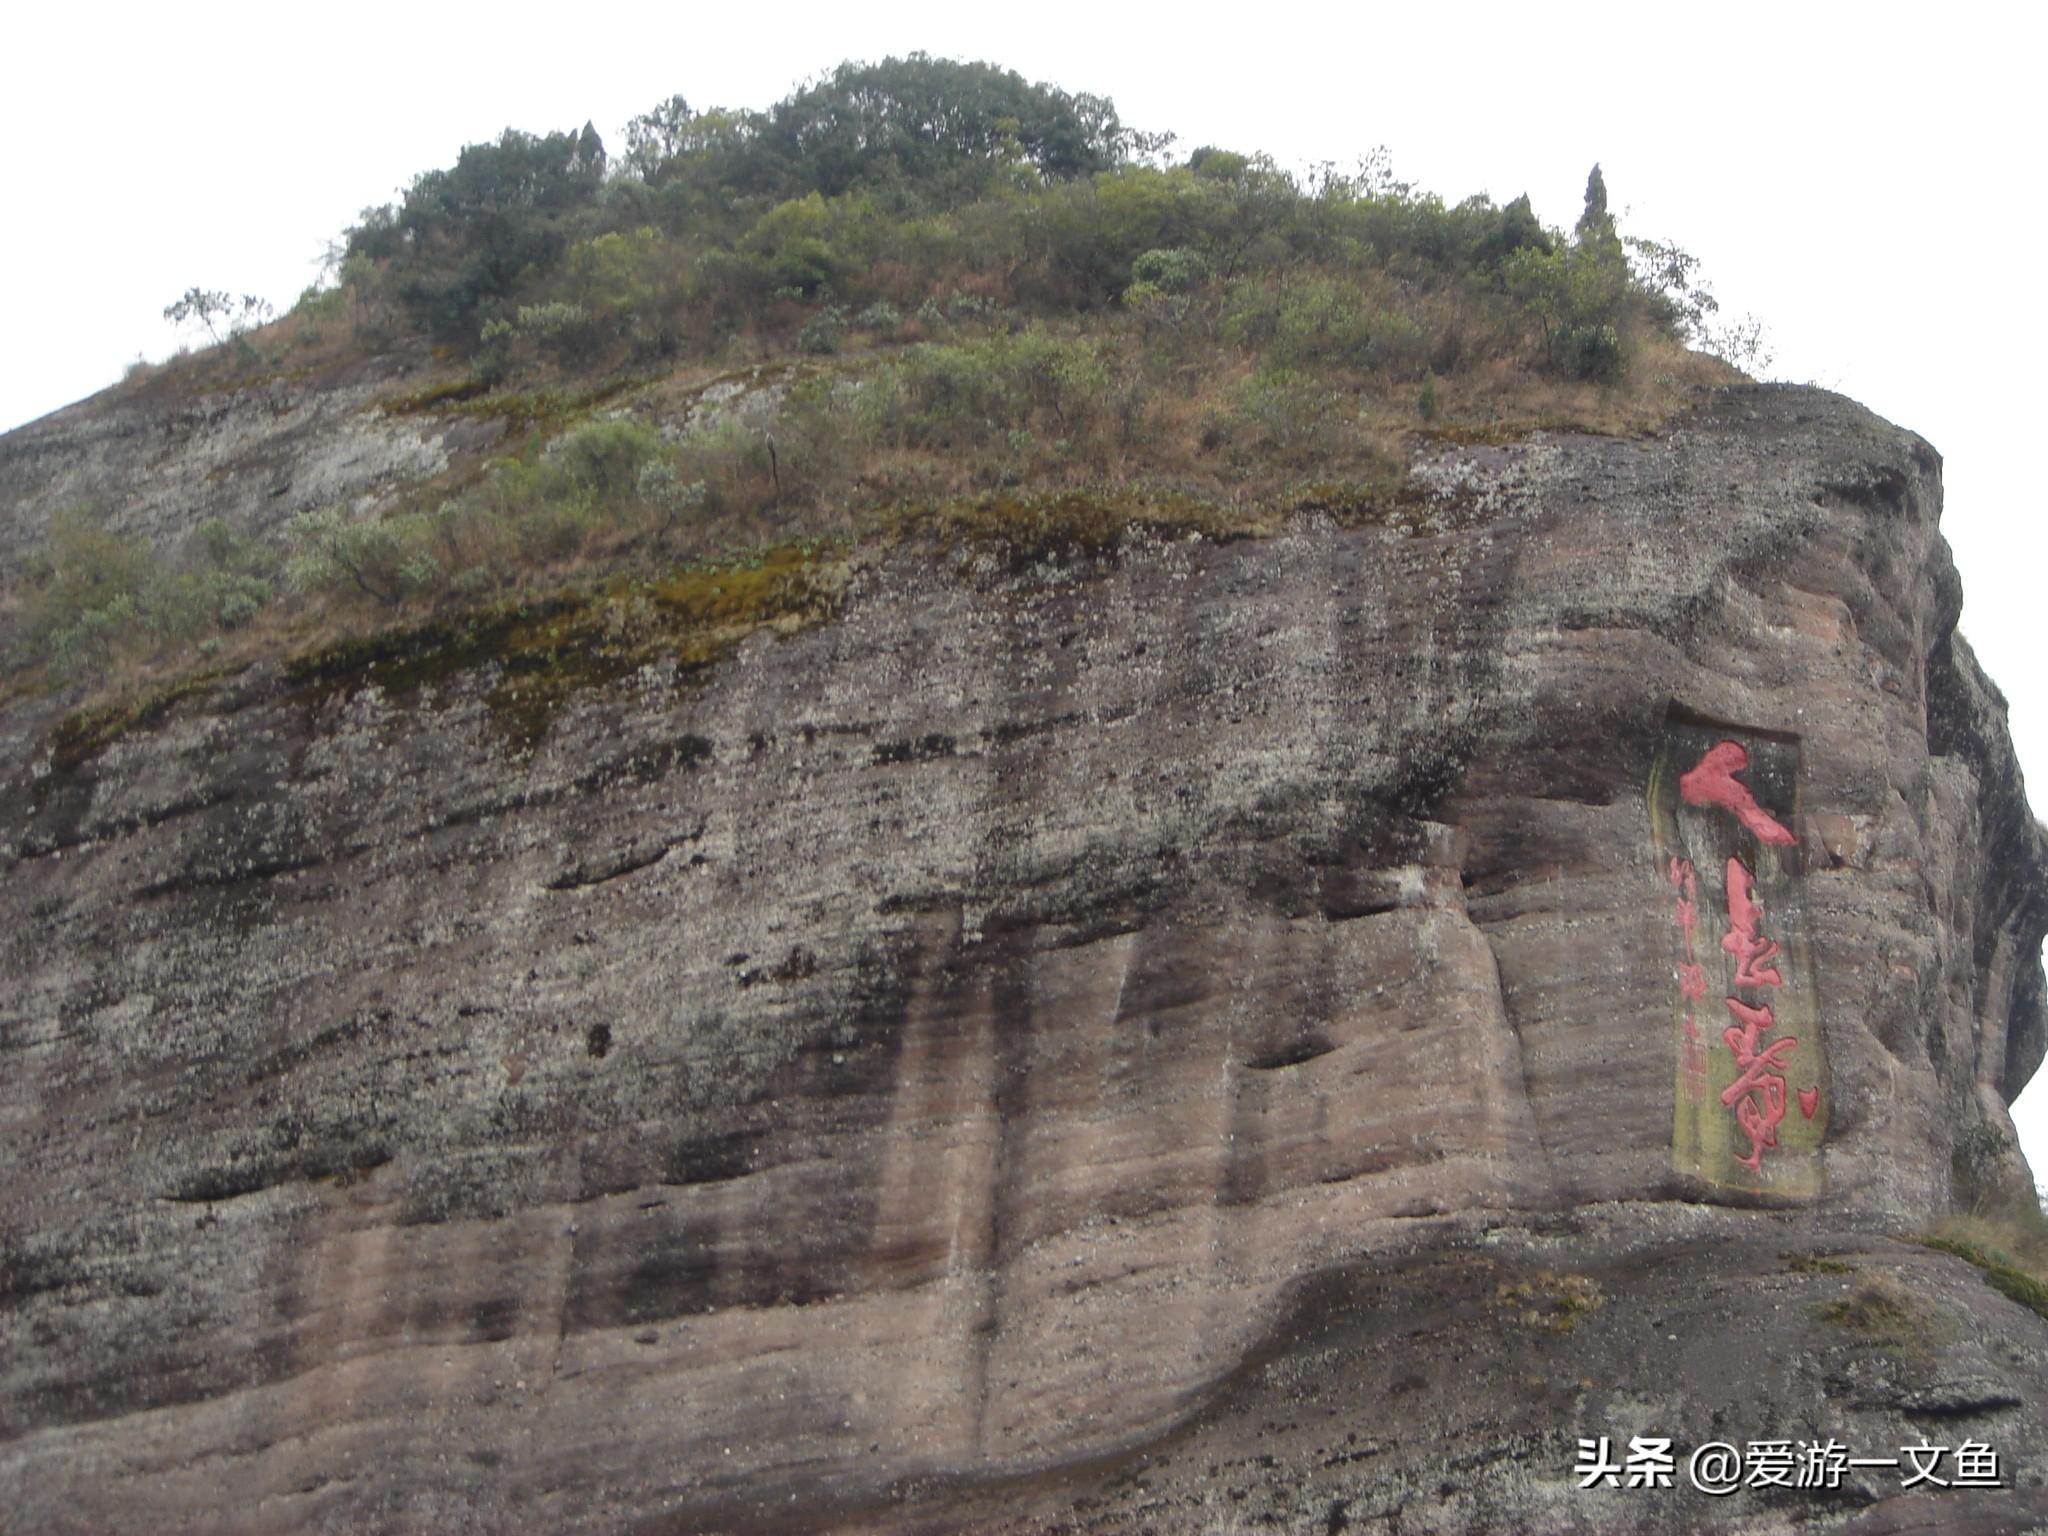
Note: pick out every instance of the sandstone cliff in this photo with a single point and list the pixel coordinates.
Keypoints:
(1150, 1038)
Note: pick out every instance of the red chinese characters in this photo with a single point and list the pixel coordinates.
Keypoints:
(1758, 1092)
(1692, 977)
(1712, 782)
(1752, 951)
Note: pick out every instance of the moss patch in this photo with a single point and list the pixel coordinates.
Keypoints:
(547, 650)
(1063, 522)
(85, 733)
(1550, 1301)
(438, 396)
(1816, 1264)
(1095, 521)
(546, 411)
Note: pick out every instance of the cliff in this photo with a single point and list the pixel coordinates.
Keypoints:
(1147, 1034)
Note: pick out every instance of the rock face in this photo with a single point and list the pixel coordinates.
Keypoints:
(1057, 1033)
(255, 457)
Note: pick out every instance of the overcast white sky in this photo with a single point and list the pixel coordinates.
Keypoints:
(1865, 178)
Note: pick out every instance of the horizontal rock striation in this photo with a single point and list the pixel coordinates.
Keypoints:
(939, 1044)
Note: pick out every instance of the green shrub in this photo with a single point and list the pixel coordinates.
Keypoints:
(881, 185)
(383, 559)
(1590, 352)
(634, 286)
(223, 576)
(823, 332)
(82, 573)
(92, 595)
(972, 309)
(809, 243)
(662, 487)
(818, 438)
(1400, 346)
(1312, 319)
(1171, 324)
(1082, 243)
(1169, 271)
(592, 482)
(974, 393)
(730, 459)
(1581, 299)
(1283, 412)
(465, 239)
(558, 327)
(606, 457)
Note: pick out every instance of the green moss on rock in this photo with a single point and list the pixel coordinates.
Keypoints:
(2012, 1281)
(85, 733)
(547, 650)
(1096, 521)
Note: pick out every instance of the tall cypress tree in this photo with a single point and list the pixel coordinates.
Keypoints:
(1596, 224)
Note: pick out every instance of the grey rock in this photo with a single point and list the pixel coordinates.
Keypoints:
(255, 458)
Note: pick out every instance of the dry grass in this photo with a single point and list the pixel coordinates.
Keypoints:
(1506, 399)
(1550, 1301)
(1882, 1312)
(2006, 1236)
(2016, 1232)
(2025, 1286)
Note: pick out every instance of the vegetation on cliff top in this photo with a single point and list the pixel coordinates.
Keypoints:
(908, 297)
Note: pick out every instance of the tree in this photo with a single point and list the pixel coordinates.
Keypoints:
(934, 130)
(466, 236)
(1520, 227)
(1253, 199)
(657, 136)
(1515, 228)
(1596, 224)
(222, 315)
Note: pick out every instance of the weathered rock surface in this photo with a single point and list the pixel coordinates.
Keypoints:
(1024, 1047)
(154, 467)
